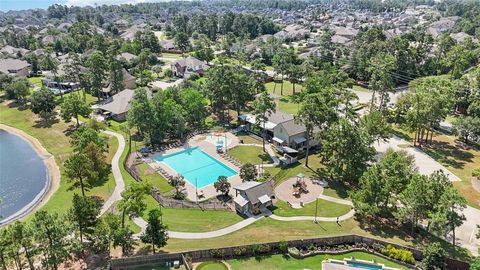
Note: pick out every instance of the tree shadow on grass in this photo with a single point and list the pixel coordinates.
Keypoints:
(265, 157)
(48, 123)
(21, 106)
(448, 154)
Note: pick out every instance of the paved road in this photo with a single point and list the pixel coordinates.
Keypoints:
(119, 183)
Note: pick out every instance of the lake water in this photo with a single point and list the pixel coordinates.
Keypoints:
(23, 175)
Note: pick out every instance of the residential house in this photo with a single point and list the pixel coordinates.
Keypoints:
(129, 82)
(117, 106)
(187, 66)
(252, 197)
(168, 45)
(14, 67)
(281, 128)
(293, 32)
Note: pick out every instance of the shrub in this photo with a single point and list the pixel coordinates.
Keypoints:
(240, 251)
(476, 173)
(398, 254)
(217, 253)
(283, 246)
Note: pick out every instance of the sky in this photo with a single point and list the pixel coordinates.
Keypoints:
(6, 5)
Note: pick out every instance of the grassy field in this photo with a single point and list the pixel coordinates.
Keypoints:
(248, 139)
(288, 107)
(249, 154)
(55, 140)
(290, 263)
(149, 175)
(460, 161)
(325, 209)
(196, 220)
(287, 88)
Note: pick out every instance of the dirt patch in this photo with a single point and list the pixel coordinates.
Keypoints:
(476, 184)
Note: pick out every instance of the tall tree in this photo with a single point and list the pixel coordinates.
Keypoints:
(263, 106)
(449, 215)
(84, 214)
(23, 235)
(222, 185)
(79, 170)
(83, 136)
(97, 67)
(381, 79)
(248, 172)
(74, 106)
(43, 103)
(182, 42)
(156, 232)
(316, 111)
(141, 114)
(132, 202)
(346, 150)
(51, 235)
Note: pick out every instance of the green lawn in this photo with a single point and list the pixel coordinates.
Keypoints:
(151, 176)
(290, 263)
(249, 154)
(288, 107)
(53, 138)
(36, 81)
(287, 88)
(325, 209)
(248, 139)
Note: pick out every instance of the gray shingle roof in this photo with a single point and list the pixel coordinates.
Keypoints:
(118, 103)
(10, 65)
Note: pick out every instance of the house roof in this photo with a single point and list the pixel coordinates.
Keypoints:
(278, 117)
(11, 66)
(256, 191)
(118, 103)
(189, 62)
(293, 128)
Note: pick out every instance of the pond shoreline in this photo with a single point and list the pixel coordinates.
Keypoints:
(53, 176)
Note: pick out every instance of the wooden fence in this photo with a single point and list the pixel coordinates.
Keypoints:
(171, 202)
(267, 249)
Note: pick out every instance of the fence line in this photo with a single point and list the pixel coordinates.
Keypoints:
(367, 244)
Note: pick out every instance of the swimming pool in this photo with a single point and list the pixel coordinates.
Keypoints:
(194, 164)
(362, 265)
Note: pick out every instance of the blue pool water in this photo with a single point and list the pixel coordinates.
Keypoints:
(193, 164)
(364, 265)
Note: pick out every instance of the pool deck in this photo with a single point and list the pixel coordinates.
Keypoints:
(208, 147)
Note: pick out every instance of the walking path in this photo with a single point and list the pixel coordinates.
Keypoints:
(117, 175)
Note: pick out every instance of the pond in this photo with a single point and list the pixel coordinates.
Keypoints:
(23, 176)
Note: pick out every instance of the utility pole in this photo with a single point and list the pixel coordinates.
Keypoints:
(316, 210)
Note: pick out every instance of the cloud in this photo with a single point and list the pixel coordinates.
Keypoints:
(83, 3)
